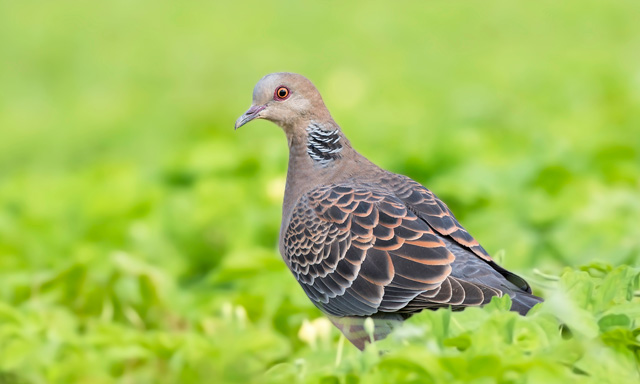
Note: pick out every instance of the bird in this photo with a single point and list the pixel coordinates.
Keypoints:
(363, 242)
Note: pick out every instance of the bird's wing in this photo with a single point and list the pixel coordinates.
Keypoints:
(358, 250)
(436, 213)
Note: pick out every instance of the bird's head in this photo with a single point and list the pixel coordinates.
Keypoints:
(286, 99)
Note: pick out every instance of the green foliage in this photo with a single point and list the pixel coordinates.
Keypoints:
(138, 232)
(558, 342)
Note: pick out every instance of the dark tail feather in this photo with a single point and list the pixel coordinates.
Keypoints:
(522, 302)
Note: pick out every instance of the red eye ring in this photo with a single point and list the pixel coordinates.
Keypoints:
(281, 93)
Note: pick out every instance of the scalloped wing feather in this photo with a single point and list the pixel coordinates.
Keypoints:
(359, 250)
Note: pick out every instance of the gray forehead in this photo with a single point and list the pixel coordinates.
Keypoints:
(267, 85)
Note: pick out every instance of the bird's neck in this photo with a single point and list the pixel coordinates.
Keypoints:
(318, 150)
(324, 144)
(318, 154)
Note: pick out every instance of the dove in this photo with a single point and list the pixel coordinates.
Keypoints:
(364, 242)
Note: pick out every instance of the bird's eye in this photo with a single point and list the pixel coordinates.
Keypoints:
(282, 93)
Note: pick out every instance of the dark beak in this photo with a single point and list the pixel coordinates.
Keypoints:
(252, 113)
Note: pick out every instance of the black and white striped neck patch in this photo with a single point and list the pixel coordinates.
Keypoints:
(323, 146)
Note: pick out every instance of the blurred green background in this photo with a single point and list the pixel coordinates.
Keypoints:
(138, 231)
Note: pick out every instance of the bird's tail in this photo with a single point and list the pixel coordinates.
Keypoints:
(522, 302)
